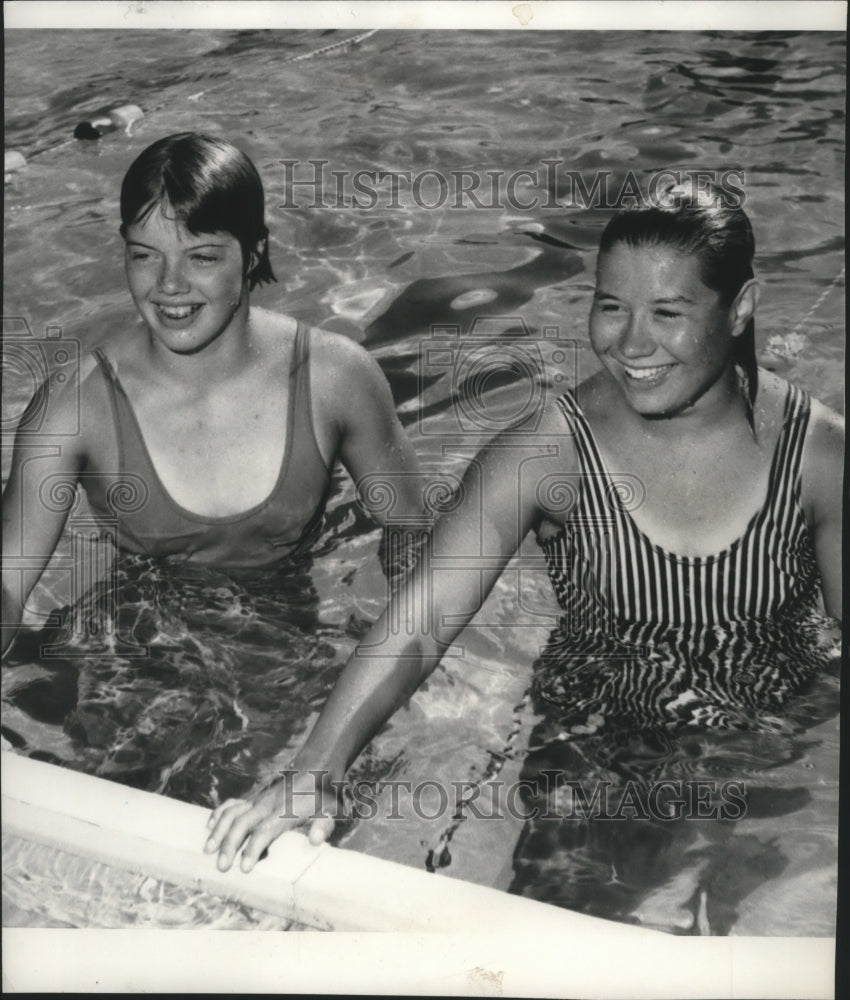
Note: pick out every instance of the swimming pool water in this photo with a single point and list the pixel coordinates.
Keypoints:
(239, 667)
(43, 887)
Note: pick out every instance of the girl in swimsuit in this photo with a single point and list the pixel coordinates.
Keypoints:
(684, 499)
(207, 434)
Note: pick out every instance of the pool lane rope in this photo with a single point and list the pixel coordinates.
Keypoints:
(126, 115)
(820, 299)
(345, 43)
(789, 345)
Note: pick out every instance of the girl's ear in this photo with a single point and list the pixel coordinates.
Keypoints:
(743, 309)
(256, 255)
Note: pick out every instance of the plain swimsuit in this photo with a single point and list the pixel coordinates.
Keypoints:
(134, 506)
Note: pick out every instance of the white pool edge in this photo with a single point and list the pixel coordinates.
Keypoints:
(322, 887)
(456, 938)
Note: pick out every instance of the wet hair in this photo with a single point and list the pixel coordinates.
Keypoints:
(715, 229)
(207, 184)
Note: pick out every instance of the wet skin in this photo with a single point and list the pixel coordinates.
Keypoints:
(664, 336)
(668, 405)
(189, 289)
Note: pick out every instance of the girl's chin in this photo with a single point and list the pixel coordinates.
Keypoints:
(189, 341)
(653, 402)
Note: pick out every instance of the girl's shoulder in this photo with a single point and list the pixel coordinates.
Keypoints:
(597, 397)
(86, 393)
(825, 426)
(339, 365)
(270, 331)
(824, 451)
(120, 351)
(72, 403)
(346, 382)
(769, 410)
(333, 356)
(273, 340)
(822, 458)
(336, 350)
(58, 403)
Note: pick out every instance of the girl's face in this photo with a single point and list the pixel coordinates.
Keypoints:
(188, 289)
(662, 334)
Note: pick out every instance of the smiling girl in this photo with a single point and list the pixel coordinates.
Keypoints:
(207, 434)
(688, 506)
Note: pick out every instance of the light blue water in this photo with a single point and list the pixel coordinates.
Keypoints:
(221, 702)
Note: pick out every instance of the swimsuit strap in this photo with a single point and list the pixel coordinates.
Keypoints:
(786, 474)
(597, 489)
(300, 383)
(105, 366)
(121, 412)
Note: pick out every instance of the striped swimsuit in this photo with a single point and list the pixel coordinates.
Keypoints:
(656, 638)
(663, 671)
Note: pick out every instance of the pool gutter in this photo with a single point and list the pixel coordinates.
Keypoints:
(321, 887)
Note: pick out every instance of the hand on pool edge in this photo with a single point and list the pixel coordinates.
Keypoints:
(251, 825)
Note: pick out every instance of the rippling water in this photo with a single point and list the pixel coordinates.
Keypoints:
(239, 667)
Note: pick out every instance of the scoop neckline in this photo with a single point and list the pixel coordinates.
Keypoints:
(671, 556)
(222, 518)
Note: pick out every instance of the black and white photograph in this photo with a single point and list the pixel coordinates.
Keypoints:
(422, 468)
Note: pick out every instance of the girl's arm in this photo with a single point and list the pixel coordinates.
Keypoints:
(46, 462)
(373, 447)
(458, 566)
(822, 491)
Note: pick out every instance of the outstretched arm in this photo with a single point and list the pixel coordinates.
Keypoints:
(459, 565)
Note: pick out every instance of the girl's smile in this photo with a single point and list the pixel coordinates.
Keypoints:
(645, 375)
(177, 315)
(188, 288)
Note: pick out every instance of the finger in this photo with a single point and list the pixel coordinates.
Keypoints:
(235, 826)
(259, 841)
(216, 813)
(233, 841)
(234, 808)
(230, 832)
(320, 830)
